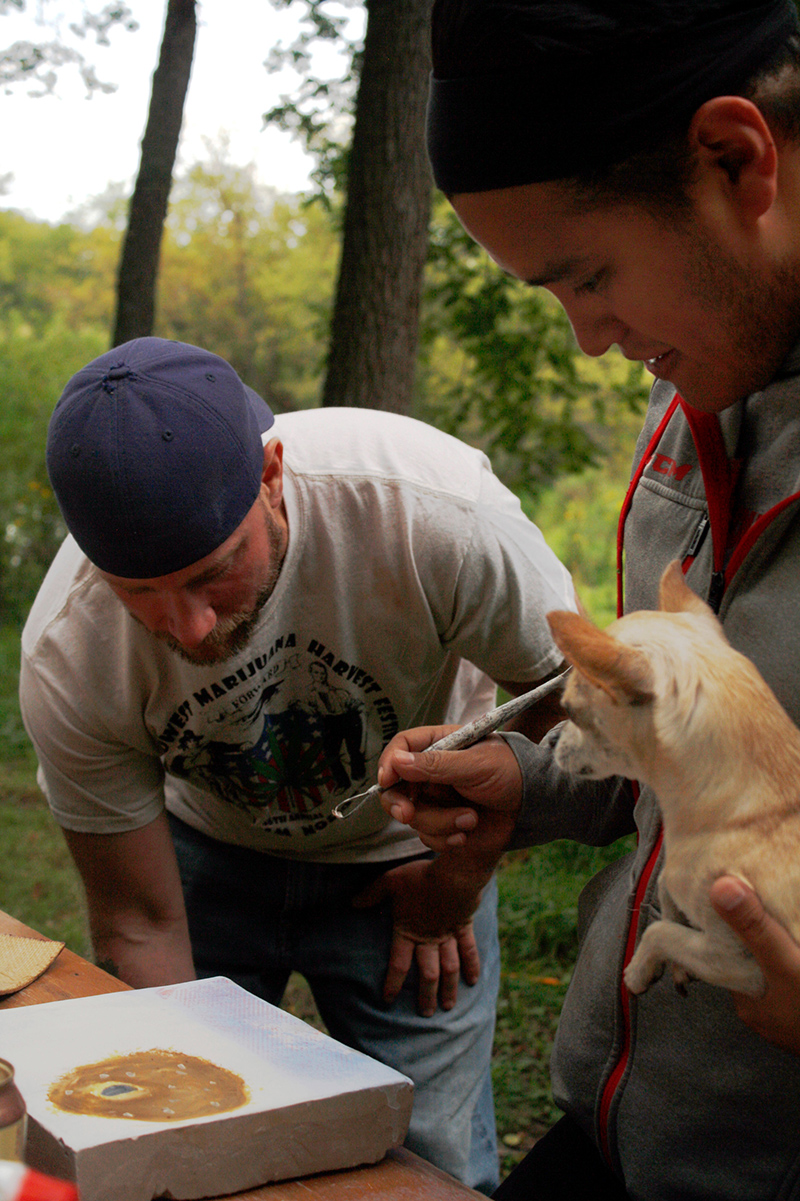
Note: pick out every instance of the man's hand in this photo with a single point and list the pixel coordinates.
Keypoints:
(434, 900)
(776, 1014)
(485, 775)
(431, 925)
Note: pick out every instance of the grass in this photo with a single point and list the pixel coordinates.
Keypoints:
(537, 915)
(38, 883)
(537, 918)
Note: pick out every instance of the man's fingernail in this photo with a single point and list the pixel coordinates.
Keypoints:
(404, 757)
(730, 894)
(466, 821)
(396, 812)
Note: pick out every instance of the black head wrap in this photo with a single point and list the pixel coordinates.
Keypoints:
(588, 83)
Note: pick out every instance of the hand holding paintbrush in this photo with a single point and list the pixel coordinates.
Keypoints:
(465, 736)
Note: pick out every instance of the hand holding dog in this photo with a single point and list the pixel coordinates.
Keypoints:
(776, 1014)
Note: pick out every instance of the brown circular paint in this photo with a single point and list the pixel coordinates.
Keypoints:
(149, 1086)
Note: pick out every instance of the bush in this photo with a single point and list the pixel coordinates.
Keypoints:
(34, 367)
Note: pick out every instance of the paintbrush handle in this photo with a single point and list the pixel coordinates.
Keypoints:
(468, 735)
(460, 739)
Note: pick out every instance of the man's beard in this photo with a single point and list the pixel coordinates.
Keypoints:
(232, 633)
(229, 636)
(760, 312)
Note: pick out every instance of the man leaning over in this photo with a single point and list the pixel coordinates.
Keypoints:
(222, 566)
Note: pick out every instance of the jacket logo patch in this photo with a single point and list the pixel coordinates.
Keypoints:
(664, 465)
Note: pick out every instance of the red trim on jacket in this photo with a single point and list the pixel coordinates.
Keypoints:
(753, 533)
(618, 1071)
(719, 476)
(630, 946)
(628, 501)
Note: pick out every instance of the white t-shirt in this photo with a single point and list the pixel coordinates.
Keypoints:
(407, 564)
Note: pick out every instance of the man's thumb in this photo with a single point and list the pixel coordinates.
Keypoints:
(740, 907)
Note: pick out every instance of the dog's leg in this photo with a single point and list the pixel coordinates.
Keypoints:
(713, 957)
(671, 913)
(669, 910)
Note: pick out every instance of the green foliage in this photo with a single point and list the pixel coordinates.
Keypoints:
(250, 275)
(54, 271)
(38, 883)
(319, 111)
(501, 368)
(16, 752)
(33, 371)
(579, 514)
(40, 62)
(55, 301)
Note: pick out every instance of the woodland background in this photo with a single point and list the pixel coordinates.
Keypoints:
(362, 291)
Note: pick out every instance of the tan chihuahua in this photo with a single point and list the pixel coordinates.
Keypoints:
(663, 698)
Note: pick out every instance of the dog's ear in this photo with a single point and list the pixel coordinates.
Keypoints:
(675, 595)
(623, 672)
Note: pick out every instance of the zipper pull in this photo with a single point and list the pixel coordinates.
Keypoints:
(716, 589)
(698, 537)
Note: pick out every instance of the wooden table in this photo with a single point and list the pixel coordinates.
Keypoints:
(401, 1176)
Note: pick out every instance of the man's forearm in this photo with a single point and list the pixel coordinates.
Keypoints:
(556, 804)
(143, 955)
(135, 903)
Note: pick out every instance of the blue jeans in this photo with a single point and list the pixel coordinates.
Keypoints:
(255, 918)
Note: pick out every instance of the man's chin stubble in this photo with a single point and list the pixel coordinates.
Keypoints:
(229, 636)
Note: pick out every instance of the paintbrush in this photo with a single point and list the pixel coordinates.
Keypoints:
(466, 736)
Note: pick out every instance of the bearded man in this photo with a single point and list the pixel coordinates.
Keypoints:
(220, 562)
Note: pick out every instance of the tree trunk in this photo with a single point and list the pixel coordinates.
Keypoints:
(138, 268)
(374, 331)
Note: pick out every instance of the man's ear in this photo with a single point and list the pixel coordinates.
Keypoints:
(736, 152)
(272, 475)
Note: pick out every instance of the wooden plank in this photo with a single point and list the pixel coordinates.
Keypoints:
(68, 976)
(401, 1176)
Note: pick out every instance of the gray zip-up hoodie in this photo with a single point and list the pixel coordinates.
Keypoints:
(684, 1100)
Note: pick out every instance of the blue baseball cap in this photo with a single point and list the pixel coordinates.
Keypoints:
(155, 455)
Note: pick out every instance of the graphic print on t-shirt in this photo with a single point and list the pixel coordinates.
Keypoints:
(282, 737)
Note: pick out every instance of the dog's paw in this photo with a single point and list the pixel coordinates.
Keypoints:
(640, 974)
(681, 978)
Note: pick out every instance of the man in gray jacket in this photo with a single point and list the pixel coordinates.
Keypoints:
(642, 161)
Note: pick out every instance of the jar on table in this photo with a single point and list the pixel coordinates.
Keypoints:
(13, 1116)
